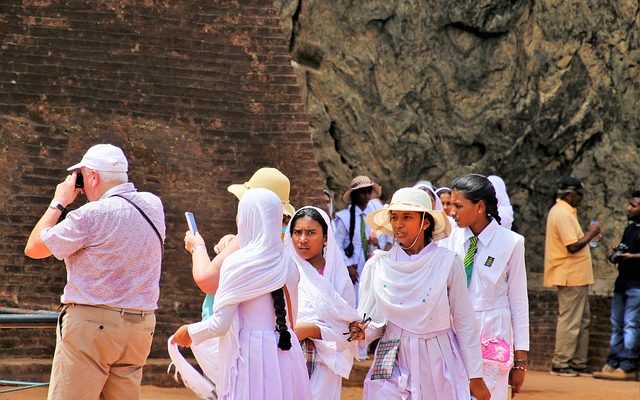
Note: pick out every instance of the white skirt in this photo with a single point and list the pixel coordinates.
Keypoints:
(429, 366)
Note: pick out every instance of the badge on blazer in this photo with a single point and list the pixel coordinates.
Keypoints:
(489, 261)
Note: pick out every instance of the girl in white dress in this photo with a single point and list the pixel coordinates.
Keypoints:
(496, 280)
(326, 302)
(259, 355)
(416, 296)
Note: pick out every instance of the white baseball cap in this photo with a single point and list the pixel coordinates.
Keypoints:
(103, 157)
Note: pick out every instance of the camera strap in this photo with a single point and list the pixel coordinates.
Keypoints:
(145, 217)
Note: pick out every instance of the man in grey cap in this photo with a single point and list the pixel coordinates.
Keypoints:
(112, 249)
(567, 265)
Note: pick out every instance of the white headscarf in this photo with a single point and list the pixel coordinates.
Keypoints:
(504, 205)
(327, 300)
(437, 204)
(394, 290)
(256, 268)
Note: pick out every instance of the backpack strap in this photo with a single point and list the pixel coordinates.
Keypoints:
(146, 218)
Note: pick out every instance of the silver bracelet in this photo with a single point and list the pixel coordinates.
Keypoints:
(193, 250)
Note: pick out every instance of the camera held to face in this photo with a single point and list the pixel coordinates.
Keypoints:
(617, 251)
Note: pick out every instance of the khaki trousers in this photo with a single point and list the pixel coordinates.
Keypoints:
(572, 330)
(99, 353)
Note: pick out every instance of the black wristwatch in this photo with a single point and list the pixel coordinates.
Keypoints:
(56, 204)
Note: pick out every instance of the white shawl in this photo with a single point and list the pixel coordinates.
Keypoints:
(399, 291)
(256, 268)
(328, 301)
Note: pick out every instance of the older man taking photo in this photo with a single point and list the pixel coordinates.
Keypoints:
(112, 248)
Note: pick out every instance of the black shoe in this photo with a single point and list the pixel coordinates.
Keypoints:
(567, 371)
(584, 371)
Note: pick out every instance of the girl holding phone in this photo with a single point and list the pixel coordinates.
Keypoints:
(257, 361)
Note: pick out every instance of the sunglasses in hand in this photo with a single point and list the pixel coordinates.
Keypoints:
(356, 327)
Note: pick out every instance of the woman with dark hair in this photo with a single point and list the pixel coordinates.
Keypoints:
(497, 282)
(253, 313)
(420, 309)
(444, 194)
(352, 234)
(326, 302)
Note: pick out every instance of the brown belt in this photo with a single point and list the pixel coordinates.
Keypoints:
(120, 310)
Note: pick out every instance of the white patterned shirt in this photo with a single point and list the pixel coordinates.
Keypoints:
(111, 253)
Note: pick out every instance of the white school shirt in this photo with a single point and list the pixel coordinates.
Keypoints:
(499, 277)
(342, 220)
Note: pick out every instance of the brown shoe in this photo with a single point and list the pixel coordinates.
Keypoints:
(617, 374)
(605, 370)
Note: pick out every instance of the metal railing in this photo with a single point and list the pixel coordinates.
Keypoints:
(18, 318)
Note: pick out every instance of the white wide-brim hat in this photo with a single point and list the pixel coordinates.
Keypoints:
(270, 179)
(409, 199)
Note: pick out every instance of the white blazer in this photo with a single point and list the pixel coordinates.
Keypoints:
(499, 278)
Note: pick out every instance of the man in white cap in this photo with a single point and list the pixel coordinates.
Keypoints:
(112, 248)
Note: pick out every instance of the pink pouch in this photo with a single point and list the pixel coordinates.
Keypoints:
(496, 352)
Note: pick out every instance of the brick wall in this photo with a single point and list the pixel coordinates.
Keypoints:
(198, 94)
(543, 313)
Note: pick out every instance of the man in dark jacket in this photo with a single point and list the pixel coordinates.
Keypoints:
(622, 362)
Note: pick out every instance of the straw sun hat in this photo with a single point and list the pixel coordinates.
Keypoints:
(270, 179)
(409, 199)
(360, 182)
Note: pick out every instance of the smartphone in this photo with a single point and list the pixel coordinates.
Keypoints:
(79, 181)
(191, 221)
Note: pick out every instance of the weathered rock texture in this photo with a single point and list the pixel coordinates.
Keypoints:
(529, 90)
(198, 94)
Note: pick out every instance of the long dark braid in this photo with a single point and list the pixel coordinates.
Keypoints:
(477, 187)
(284, 343)
(492, 210)
(352, 226)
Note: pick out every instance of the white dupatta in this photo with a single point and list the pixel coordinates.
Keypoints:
(256, 268)
(328, 301)
(399, 291)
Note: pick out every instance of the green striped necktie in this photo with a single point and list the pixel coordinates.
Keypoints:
(363, 237)
(468, 257)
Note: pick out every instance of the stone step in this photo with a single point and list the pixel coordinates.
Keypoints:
(38, 370)
(155, 371)
(25, 369)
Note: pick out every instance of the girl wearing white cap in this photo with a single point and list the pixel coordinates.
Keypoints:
(326, 302)
(497, 282)
(415, 295)
(258, 361)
